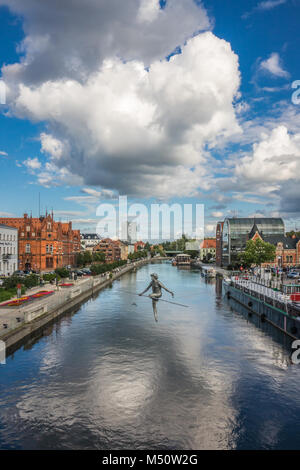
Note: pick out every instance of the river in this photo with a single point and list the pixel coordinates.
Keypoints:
(107, 376)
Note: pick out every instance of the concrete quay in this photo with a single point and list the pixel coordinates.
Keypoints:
(18, 323)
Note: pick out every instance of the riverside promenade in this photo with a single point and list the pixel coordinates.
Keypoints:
(17, 323)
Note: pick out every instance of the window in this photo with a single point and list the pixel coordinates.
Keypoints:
(27, 249)
(28, 228)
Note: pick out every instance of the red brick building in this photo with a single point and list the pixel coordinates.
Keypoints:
(287, 248)
(44, 244)
(111, 249)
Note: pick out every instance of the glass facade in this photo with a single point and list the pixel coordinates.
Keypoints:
(236, 233)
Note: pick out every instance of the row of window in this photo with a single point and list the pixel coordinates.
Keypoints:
(8, 250)
(8, 237)
(8, 268)
(49, 248)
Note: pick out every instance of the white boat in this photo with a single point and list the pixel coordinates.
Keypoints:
(183, 260)
(209, 272)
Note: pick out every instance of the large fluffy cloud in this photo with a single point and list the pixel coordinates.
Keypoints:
(271, 170)
(70, 38)
(276, 158)
(140, 130)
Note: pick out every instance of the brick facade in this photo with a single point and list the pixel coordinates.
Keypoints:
(111, 249)
(44, 244)
(287, 250)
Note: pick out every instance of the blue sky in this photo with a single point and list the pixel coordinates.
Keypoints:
(235, 147)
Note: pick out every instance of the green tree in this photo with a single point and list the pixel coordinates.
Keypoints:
(79, 259)
(293, 233)
(192, 253)
(62, 272)
(98, 256)
(87, 257)
(258, 252)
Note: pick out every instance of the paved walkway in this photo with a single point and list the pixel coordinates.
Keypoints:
(14, 317)
(10, 315)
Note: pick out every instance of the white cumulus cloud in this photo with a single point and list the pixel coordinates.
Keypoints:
(273, 66)
(71, 38)
(274, 159)
(136, 130)
(32, 163)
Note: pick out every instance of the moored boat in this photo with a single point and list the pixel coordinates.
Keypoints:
(209, 272)
(183, 260)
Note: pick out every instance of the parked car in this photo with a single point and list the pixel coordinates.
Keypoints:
(19, 273)
(79, 272)
(293, 275)
(86, 271)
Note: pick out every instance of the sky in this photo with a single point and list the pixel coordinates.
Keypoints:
(176, 101)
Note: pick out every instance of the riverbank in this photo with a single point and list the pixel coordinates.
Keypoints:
(18, 323)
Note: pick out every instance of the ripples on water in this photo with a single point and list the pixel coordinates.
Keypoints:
(109, 377)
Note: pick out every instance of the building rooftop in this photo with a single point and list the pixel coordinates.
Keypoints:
(288, 243)
(210, 243)
(267, 225)
(90, 236)
(8, 226)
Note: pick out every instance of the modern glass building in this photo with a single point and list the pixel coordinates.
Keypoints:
(237, 231)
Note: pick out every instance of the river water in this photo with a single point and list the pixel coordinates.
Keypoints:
(107, 376)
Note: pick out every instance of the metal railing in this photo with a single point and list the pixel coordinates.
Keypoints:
(268, 295)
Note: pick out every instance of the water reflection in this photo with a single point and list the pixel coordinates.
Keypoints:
(110, 377)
